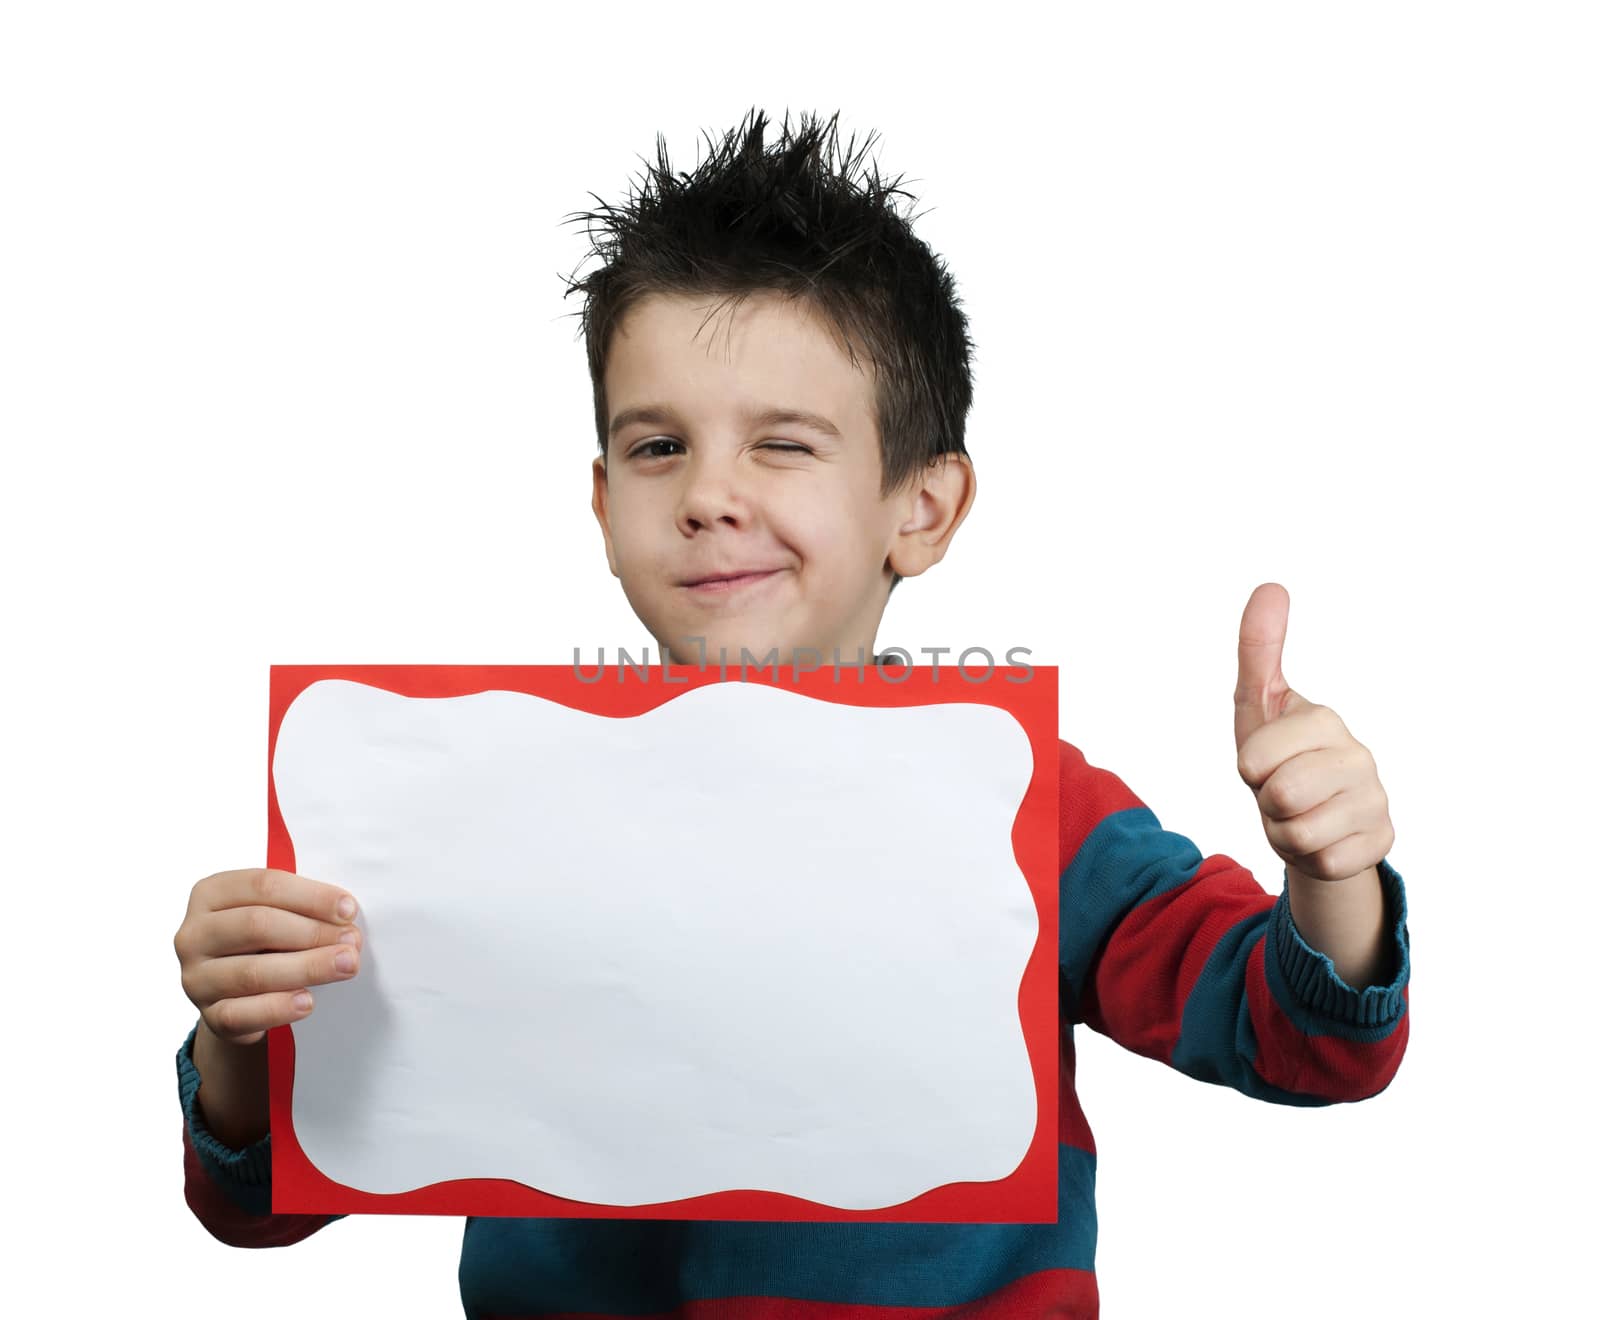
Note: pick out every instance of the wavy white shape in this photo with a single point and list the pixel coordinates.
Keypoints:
(749, 939)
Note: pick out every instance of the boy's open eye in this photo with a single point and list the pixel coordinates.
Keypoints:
(640, 451)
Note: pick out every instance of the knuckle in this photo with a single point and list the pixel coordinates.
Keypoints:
(226, 1013)
(262, 884)
(251, 977)
(257, 925)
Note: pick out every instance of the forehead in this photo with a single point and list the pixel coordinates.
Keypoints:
(763, 351)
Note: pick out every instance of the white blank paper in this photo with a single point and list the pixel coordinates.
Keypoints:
(749, 939)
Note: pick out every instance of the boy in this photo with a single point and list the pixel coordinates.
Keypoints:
(770, 498)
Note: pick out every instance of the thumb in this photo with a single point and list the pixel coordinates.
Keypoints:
(1262, 689)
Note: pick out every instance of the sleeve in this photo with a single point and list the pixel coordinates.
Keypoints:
(230, 1191)
(1186, 959)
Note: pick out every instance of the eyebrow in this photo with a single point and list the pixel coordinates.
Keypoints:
(658, 414)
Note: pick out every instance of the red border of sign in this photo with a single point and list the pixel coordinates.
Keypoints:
(1028, 1195)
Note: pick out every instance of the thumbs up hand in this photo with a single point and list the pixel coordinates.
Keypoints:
(1324, 811)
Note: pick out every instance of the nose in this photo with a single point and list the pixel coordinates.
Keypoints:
(711, 493)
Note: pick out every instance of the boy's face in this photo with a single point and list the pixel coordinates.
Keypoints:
(705, 486)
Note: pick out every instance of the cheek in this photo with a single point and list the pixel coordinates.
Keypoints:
(836, 554)
(823, 525)
(844, 535)
(630, 524)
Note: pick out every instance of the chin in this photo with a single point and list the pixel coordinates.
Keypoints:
(733, 649)
(721, 648)
(726, 635)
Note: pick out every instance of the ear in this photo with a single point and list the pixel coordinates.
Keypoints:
(598, 503)
(934, 506)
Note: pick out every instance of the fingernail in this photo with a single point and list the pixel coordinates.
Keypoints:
(345, 960)
(349, 937)
(347, 907)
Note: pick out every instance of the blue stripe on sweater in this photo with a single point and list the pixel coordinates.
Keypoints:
(1217, 1042)
(1126, 859)
(642, 1266)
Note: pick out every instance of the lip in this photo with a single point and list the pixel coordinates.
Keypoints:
(727, 586)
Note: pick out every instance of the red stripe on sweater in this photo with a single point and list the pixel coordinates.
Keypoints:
(1088, 795)
(1138, 989)
(226, 1222)
(1074, 1127)
(1328, 1066)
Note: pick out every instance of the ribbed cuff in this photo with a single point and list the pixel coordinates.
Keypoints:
(245, 1174)
(1319, 989)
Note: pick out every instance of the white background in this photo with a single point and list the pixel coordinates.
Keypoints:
(1262, 292)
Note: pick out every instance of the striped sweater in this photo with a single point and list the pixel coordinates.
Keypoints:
(1177, 956)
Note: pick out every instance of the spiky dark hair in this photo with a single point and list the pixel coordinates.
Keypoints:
(793, 219)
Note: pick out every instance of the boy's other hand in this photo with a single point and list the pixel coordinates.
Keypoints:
(254, 941)
(1324, 811)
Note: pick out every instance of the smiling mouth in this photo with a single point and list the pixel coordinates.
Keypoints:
(722, 585)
